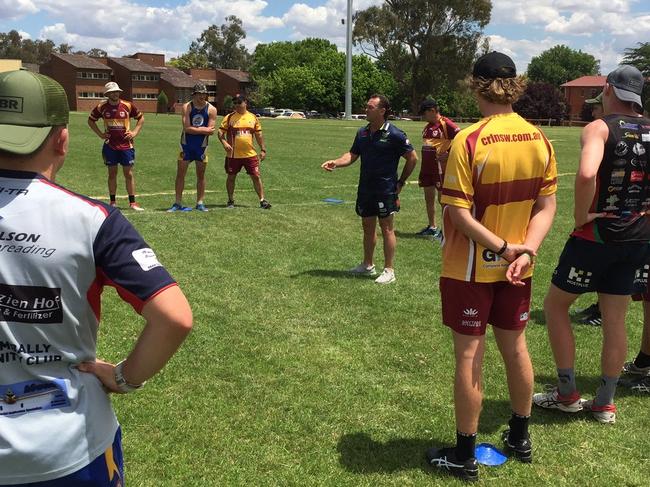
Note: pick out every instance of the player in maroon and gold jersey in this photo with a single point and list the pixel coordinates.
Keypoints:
(499, 196)
(236, 134)
(436, 142)
(118, 139)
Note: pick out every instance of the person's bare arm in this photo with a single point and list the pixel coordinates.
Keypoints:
(540, 223)
(93, 126)
(343, 161)
(592, 141)
(260, 141)
(168, 321)
(132, 134)
(411, 158)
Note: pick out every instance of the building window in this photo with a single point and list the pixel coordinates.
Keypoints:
(90, 94)
(145, 77)
(91, 75)
(145, 96)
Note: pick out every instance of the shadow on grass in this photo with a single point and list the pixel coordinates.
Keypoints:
(414, 236)
(359, 453)
(332, 273)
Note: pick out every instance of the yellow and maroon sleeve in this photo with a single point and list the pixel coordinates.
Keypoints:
(457, 189)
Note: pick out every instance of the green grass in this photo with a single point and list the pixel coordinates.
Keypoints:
(297, 374)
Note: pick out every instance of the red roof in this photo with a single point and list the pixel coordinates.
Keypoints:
(586, 82)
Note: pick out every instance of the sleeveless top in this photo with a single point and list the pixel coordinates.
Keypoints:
(622, 183)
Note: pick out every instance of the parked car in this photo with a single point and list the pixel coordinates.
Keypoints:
(358, 116)
(281, 111)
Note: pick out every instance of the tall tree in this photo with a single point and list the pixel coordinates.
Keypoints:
(639, 57)
(222, 45)
(190, 60)
(560, 64)
(310, 74)
(96, 52)
(13, 46)
(417, 40)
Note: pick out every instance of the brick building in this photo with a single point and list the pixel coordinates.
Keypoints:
(231, 82)
(139, 80)
(178, 87)
(82, 77)
(142, 76)
(579, 90)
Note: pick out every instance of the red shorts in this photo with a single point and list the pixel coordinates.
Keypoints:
(430, 174)
(234, 164)
(467, 307)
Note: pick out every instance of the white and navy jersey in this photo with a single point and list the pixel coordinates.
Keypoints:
(57, 252)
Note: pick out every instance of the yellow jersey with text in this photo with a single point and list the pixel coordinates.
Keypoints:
(497, 168)
(239, 129)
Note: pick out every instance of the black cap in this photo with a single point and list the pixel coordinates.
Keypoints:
(239, 98)
(627, 82)
(427, 104)
(494, 65)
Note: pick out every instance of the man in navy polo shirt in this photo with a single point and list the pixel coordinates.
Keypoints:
(380, 145)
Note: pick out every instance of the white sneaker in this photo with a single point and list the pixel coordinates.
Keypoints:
(552, 399)
(603, 414)
(363, 270)
(386, 276)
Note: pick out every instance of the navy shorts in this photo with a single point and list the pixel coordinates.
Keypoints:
(381, 206)
(190, 153)
(107, 470)
(609, 268)
(113, 157)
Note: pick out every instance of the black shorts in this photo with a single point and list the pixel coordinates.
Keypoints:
(381, 206)
(609, 268)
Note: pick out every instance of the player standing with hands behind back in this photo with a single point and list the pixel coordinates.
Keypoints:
(499, 196)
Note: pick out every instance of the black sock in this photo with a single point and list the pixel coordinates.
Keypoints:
(112, 198)
(465, 444)
(642, 360)
(131, 198)
(518, 427)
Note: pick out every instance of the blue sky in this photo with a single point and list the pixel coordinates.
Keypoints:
(603, 28)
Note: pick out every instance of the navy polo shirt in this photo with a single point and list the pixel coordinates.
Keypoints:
(380, 153)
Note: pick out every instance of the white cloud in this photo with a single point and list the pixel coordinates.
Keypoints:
(126, 23)
(579, 23)
(322, 21)
(13, 9)
(521, 50)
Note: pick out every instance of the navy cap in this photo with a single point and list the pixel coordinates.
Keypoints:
(427, 104)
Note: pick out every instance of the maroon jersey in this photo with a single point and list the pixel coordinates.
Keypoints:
(437, 137)
(116, 121)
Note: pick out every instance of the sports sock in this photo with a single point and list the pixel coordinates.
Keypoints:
(642, 360)
(199, 202)
(518, 427)
(605, 393)
(465, 444)
(566, 381)
(112, 198)
(131, 198)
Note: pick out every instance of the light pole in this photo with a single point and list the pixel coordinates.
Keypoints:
(348, 65)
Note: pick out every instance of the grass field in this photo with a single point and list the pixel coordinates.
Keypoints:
(297, 374)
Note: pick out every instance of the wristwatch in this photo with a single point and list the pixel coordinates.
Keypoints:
(122, 384)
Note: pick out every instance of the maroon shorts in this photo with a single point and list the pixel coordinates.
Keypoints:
(467, 307)
(430, 174)
(234, 164)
